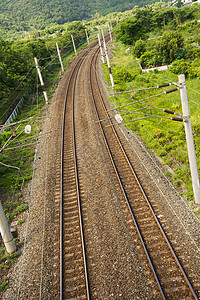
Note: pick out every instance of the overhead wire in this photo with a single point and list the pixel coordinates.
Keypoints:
(159, 76)
(139, 101)
(144, 89)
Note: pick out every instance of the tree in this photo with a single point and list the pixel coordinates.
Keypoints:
(129, 31)
(140, 48)
(170, 46)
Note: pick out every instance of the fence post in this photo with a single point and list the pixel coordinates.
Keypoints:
(189, 139)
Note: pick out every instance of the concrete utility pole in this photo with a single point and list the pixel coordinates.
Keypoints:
(189, 139)
(101, 50)
(108, 61)
(110, 33)
(41, 81)
(74, 45)
(87, 36)
(60, 59)
(111, 26)
(5, 232)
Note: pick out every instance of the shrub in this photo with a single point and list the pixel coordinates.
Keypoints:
(151, 59)
(180, 67)
(170, 46)
(121, 75)
(140, 48)
(193, 53)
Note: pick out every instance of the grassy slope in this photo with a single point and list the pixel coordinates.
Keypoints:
(165, 137)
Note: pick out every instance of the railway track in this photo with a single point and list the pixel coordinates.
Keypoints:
(171, 279)
(73, 273)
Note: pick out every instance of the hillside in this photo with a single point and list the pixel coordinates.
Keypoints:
(29, 15)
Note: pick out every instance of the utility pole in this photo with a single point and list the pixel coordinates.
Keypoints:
(111, 26)
(101, 50)
(60, 59)
(110, 33)
(108, 62)
(74, 45)
(5, 232)
(41, 81)
(87, 36)
(189, 138)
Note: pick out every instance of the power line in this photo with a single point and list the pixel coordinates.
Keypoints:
(144, 89)
(150, 115)
(139, 101)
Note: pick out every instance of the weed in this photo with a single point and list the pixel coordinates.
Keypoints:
(2, 251)
(20, 221)
(21, 208)
(4, 284)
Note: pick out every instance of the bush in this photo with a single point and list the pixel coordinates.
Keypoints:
(121, 75)
(180, 67)
(170, 46)
(140, 48)
(151, 59)
(193, 53)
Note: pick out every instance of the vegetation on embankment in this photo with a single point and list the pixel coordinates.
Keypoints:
(162, 135)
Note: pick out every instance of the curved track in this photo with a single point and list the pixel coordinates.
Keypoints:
(73, 273)
(74, 276)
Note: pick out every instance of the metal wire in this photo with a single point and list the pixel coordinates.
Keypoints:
(138, 101)
(138, 90)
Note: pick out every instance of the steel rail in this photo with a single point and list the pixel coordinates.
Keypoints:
(76, 67)
(143, 192)
(78, 191)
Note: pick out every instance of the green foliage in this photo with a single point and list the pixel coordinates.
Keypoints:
(129, 31)
(121, 75)
(140, 48)
(20, 221)
(190, 69)
(21, 18)
(170, 46)
(4, 284)
(180, 67)
(151, 59)
(21, 208)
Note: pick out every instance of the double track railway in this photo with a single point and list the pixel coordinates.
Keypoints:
(75, 275)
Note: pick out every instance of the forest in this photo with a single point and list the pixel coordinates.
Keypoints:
(20, 17)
